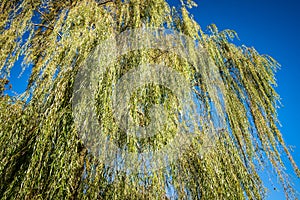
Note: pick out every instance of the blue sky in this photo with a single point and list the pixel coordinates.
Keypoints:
(272, 27)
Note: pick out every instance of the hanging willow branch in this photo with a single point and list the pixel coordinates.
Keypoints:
(42, 156)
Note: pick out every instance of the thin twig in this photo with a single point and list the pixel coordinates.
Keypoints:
(43, 15)
(42, 25)
(105, 2)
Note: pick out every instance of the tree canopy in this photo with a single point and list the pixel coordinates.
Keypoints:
(42, 155)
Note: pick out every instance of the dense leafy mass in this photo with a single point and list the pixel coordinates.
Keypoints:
(42, 156)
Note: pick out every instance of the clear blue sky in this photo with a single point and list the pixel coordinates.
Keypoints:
(272, 27)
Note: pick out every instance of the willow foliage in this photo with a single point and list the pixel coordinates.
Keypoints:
(42, 156)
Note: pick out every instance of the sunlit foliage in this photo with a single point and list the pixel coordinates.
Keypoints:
(42, 156)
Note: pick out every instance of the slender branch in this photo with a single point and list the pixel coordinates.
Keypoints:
(44, 15)
(49, 27)
(105, 2)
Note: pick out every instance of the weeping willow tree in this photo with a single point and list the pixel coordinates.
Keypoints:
(42, 155)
